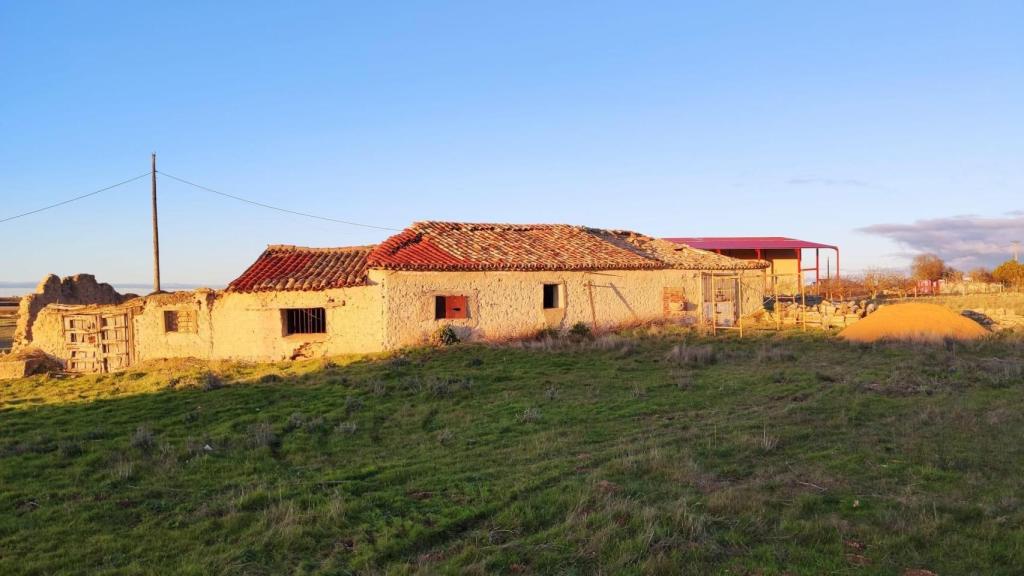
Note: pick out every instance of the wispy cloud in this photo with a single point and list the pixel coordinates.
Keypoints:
(963, 241)
(831, 182)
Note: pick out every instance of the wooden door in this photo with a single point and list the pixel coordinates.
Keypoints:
(98, 342)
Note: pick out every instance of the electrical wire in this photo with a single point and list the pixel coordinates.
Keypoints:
(279, 209)
(70, 200)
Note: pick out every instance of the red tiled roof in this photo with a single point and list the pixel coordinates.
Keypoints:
(299, 268)
(467, 246)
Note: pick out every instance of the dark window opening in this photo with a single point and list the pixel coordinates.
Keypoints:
(179, 321)
(551, 296)
(450, 307)
(305, 321)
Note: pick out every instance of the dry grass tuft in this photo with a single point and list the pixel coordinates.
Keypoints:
(261, 435)
(690, 355)
(143, 439)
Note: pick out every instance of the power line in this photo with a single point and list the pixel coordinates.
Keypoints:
(285, 210)
(70, 200)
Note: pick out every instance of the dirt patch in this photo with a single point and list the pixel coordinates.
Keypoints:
(914, 321)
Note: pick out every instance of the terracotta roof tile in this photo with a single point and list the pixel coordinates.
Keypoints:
(468, 246)
(681, 256)
(299, 268)
(464, 246)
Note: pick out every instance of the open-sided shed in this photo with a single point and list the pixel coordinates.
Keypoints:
(786, 255)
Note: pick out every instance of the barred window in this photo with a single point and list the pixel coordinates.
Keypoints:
(304, 321)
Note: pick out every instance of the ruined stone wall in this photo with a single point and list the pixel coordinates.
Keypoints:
(236, 326)
(505, 305)
(188, 335)
(77, 289)
(48, 331)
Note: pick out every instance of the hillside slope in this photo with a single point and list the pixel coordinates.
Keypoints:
(620, 455)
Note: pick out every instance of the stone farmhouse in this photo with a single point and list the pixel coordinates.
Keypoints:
(487, 281)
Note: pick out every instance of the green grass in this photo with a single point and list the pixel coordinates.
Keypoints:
(1010, 301)
(626, 455)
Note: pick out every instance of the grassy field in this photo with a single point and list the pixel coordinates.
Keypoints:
(649, 454)
(1010, 301)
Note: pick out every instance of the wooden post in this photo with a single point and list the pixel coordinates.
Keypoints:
(700, 311)
(803, 304)
(739, 303)
(156, 234)
(778, 308)
(593, 309)
(714, 308)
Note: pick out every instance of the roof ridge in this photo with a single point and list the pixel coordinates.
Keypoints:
(486, 225)
(294, 248)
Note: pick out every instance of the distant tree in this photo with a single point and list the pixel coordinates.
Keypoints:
(1010, 273)
(981, 274)
(900, 283)
(928, 267)
(951, 274)
(875, 281)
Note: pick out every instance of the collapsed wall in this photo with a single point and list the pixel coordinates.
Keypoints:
(77, 289)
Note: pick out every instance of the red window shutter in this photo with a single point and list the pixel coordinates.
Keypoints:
(455, 307)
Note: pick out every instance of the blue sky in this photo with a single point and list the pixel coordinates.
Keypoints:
(807, 119)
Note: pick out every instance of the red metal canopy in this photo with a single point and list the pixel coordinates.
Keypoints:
(748, 243)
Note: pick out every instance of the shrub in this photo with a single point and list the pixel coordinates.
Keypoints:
(352, 404)
(143, 439)
(692, 355)
(774, 354)
(69, 448)
(684, 381)
(444, 336)
(445, 437)
(261, 435)
(580, 330)
(398, 362)
(295, 421)
(546, 333)
(528, 415)
(348, 428)
(315, 424)
(211, 381)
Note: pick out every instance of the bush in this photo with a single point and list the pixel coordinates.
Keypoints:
(261, 435)
(528, 415)
(348, 428)
(444, 336)
(692, 355)
(547, 333)
(580, 330)
(143, 439)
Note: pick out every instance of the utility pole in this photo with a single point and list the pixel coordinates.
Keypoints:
(156, 234)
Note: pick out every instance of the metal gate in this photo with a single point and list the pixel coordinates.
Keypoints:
(98, 342)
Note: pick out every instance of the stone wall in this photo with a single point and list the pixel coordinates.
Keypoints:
(77, 289)
(396, 310)
(249, 325)
(508, 305)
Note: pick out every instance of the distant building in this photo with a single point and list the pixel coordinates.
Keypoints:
(785, 255)
(486, 281)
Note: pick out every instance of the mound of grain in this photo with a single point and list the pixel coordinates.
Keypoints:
(913, 321)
